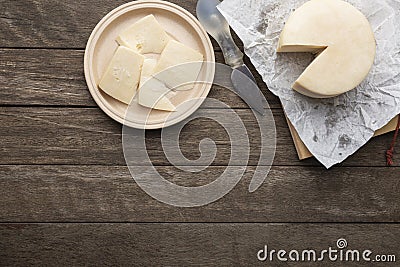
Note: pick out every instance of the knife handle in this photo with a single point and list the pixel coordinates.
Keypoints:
(232, 54)
(217, 26)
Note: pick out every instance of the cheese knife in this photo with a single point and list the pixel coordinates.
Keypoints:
(243, 80)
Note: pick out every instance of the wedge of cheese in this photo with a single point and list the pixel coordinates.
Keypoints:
(121, 78)
(179, 66)
(153, 94)
(343, 40)
(145, 36)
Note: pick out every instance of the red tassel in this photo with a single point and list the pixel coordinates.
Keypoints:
(390, 152)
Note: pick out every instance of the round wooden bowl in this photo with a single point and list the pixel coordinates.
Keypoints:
(181, 26)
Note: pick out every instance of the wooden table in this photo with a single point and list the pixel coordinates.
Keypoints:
(66, 196)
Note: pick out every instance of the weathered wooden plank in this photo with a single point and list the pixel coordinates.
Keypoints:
(88, 136)
(55, 77)
(189, 244)
(43, 77)
(55, 24)
(109, 194)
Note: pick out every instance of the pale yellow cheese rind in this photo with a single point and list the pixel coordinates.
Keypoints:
(145, 36)
(121, 79)
(343, 39)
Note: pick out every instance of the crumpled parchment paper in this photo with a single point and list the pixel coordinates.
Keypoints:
(332, 129)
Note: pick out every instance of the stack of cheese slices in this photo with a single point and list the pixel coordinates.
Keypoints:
(342, 39)
(132, 73)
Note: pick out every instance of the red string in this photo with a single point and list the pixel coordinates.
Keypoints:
(390, 152)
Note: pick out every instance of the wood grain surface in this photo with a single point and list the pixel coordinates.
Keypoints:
(44, 77)
(66, 24)
(185, 244)
(67, 197)
(43, 135)
(109, 194)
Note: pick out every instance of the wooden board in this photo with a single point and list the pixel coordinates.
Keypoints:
(304, 153)
(181, 26)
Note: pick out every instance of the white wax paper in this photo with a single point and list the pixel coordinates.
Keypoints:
(332, 129)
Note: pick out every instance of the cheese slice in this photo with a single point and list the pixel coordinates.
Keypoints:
(343, 40)
(153, 94)
(179, 66)
(147, 70)
(121, 78)
(145, 36)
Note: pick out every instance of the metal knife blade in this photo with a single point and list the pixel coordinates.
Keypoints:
(247, 89)
(217, 26)
(246, 71)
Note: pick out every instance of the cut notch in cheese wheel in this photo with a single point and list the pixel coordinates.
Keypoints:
(343, 39)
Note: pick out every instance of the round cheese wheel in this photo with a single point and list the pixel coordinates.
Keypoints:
(342, 39)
